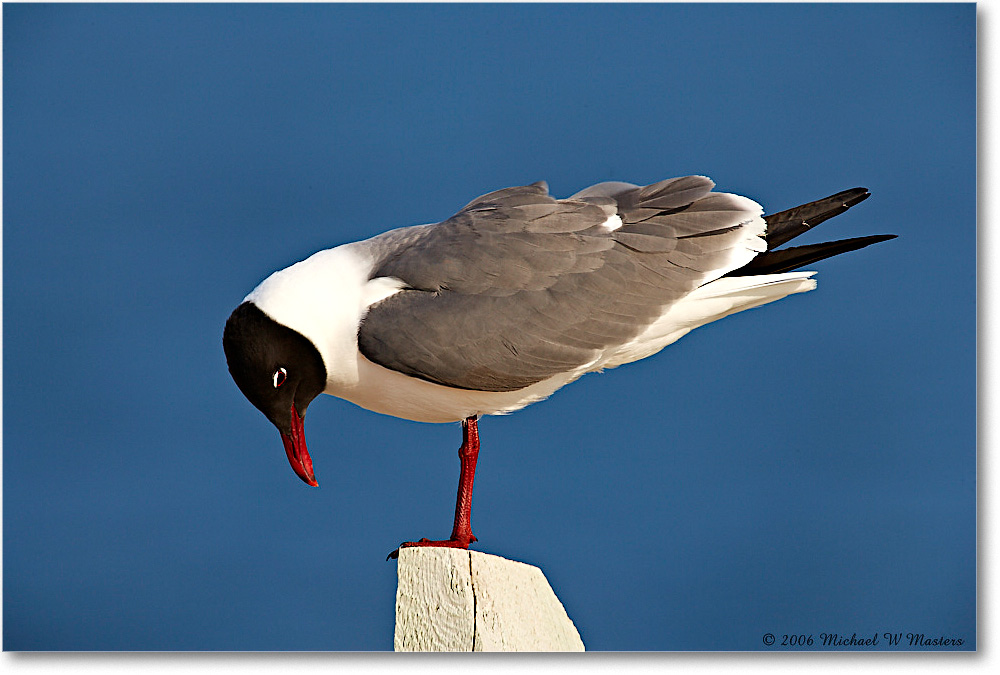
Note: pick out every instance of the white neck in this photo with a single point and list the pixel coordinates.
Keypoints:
(324, 298)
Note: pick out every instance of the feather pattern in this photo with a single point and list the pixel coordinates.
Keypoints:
(518, 287)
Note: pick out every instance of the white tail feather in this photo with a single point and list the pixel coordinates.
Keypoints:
(709, 303)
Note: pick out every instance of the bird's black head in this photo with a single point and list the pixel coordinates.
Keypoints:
(280, 371)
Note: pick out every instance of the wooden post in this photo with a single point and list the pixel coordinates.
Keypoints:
(454, 600)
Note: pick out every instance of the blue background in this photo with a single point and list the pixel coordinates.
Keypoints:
(807, 467)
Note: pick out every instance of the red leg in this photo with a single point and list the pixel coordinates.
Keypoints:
(461, 532)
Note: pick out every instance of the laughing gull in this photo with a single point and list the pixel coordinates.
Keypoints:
(513, 297)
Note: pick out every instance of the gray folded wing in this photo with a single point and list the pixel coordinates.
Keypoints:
(518, 287)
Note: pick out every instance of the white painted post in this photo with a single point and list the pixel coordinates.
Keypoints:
(453, 600)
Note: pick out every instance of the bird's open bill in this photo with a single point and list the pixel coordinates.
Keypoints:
(295, 448)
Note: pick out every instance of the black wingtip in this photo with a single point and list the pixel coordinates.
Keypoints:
(789, 259)
(854, 196)
(786, 225)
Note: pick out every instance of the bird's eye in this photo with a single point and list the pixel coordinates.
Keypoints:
(279, 377)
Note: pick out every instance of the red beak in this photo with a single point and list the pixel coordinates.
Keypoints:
(295, 448)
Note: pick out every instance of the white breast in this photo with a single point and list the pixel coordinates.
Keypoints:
(386, 391)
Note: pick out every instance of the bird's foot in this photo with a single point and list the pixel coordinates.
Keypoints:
(455, 542)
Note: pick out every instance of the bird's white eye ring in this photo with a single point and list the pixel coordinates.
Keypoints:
(279, 377)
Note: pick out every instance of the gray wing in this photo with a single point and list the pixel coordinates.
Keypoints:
(518, 287)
